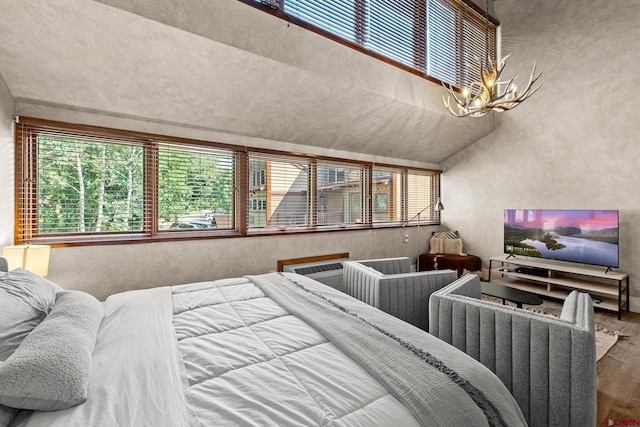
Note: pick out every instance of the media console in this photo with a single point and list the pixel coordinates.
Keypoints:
(609, 289)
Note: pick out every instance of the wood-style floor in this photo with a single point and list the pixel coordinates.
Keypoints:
(619, 369)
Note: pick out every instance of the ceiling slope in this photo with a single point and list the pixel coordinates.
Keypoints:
(225, 67)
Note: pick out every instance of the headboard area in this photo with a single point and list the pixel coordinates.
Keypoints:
(4, 266)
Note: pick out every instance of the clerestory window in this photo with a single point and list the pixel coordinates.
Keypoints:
(437, 39)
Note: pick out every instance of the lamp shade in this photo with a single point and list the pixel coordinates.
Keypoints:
(34, 258)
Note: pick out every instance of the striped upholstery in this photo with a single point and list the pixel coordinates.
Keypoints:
(548, 364)
(388, 285)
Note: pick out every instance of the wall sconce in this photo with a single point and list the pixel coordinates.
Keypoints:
(34, 258)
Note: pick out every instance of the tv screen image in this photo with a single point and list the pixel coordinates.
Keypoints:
(582, 236)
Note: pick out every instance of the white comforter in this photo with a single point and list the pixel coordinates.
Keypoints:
(222, 353)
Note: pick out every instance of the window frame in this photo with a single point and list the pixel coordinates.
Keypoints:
(26, 190)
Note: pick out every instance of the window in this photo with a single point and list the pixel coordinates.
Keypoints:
(258, 178)
(282, 201)
(456, 40)
(340, 194)
(336, 17)
(388, 191)
(435, 38)
(421, 193)
(80, 184)
(392, 26)
(195, 187)
(86, 185)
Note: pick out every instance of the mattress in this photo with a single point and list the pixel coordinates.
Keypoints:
(273, 350)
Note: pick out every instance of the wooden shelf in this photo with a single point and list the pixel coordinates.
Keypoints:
(610, 288)
(605, 303)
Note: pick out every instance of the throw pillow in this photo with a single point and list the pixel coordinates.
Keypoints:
(445, 234)
(446, 246)
(453, 247)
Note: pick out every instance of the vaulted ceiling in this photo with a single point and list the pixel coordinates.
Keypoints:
(223, 67)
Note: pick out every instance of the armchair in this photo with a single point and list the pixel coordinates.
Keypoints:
(389, 285)
(547, 363)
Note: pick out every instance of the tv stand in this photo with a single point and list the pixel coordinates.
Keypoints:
(609, 289)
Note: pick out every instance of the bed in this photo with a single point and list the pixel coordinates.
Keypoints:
(277, 349)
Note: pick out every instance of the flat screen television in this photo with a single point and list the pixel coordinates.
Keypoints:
(581, 236)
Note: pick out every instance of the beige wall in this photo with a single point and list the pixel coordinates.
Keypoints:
(7, 111)
(573, 145)
(102, 270)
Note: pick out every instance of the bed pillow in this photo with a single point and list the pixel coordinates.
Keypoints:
(51, 368)
(25, 299)
(6, 415)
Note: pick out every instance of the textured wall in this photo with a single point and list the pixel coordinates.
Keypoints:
(573, 145)
(7, 111)
(103, 270)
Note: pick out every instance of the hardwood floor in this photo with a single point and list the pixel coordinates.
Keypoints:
(619, 369)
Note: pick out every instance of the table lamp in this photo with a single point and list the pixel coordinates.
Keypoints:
(34, 258)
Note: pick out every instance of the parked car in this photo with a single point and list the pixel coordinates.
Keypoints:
(189, 226)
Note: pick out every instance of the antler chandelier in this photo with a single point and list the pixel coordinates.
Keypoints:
(490, 93)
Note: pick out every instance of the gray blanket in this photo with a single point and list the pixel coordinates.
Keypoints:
(411, 374)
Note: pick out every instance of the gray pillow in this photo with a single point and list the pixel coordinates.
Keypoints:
(51, 368)
(6, 415)
(25, 299)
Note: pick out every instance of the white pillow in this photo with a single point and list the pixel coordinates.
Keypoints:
(446, 246)
(25, 299)
(445, 234)
(50, 370)
(6, 414)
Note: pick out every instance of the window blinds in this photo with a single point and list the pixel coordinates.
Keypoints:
(337, 17)
(195, 187)
(278, 192)
(340, 194)
(388, 192)
(86, 184)
(111, 186)
(457, 38)
(79, 184)
(442, 39)
(421, 193)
